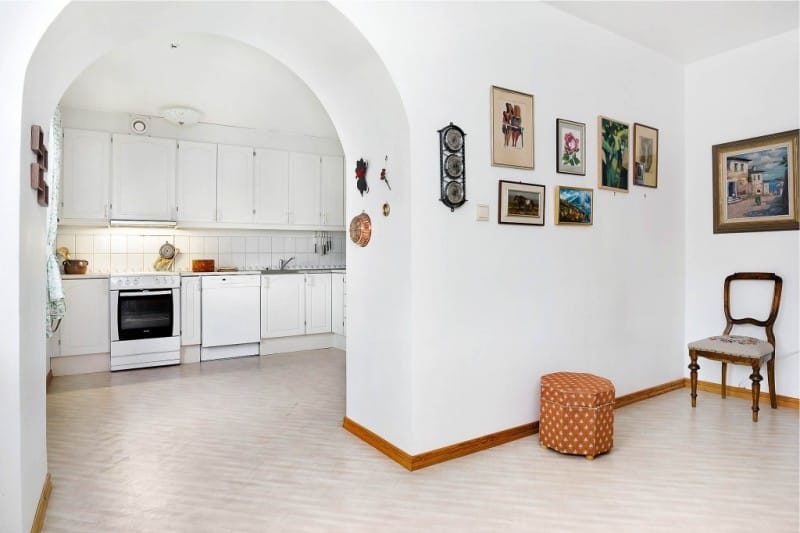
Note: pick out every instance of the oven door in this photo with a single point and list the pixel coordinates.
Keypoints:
(144, 314)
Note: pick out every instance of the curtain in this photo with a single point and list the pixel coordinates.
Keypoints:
(55, 290)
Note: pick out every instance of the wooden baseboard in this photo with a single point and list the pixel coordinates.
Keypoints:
(739, 392)
(379, 443)
(41, 509)
(644, 394)
(467, 447)
(471, 446)
(48, 379)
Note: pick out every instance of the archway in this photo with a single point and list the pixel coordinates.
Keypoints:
(328, 52)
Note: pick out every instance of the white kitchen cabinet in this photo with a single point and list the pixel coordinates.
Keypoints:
(332, 190)
(197, 182)
(86, 177)
(190, 310)
(143, 178)
(234, 183)
(271, 186)
(304, 190)
(84, 328)
(283, 305)
(318, 303)
(338, 305)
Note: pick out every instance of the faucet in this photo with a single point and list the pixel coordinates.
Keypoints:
(285, 262)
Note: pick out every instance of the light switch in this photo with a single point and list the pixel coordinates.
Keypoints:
(482, 212)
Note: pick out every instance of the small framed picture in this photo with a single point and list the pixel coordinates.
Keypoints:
(520, 203)
(645, 156)
(570, 151)
(574, 205)
(613, 153)
(512, 129)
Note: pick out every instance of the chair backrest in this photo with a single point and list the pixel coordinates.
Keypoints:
(773, 313)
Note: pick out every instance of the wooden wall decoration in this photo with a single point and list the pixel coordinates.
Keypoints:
(40, 166)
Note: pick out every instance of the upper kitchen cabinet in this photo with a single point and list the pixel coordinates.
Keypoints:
(332, 196)
(197, 182)
(304, 190)
(271, 186)
(235, 184)
(87, 168)
(143, 178)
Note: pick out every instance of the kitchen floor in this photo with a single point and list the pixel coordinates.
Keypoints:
(256, 444)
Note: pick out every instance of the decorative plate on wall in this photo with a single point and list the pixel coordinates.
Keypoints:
(361, 229)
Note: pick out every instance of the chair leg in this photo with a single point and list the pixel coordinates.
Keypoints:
(724, 379)
(773, 395)
(756, 378)
(694, 367)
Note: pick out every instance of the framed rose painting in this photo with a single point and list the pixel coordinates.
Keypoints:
(570, 147)
(512, 129)
(756, 184)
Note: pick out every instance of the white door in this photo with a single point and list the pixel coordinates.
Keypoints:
(197, 182)
(337, 303)
(143, 178)
(318, 303)
(304, 190)
(86, 177)
(84, 329)
(190, 310)
(332, 196)
(271, 186)
(283, 305)
(234, 183)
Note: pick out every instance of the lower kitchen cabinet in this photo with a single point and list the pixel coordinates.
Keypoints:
(338, 304)
(283, 305)
(84, 328)
(318, 303)
(190, 310)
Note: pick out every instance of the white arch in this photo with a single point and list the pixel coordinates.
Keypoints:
(328, 52)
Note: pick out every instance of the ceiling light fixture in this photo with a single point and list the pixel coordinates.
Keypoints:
(181, 116)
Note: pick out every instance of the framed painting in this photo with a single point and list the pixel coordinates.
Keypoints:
(512, 129)
(612, 154)
(574, 205)
(570, 151)
(645, 156)
(520, 203)
(756, 184)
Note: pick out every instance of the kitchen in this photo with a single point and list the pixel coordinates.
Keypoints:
(206, 230)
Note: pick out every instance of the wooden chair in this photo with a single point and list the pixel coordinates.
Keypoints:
(741, 350)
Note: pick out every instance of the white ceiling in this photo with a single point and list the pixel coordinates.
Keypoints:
(688, 31)
(229, 82)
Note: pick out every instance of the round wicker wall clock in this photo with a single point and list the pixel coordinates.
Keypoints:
(361, 229)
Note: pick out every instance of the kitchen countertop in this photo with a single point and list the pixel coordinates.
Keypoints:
(189, 273)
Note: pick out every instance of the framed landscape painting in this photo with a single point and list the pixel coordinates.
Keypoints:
(574, 206)
(520, 203)
(756, 184)
(570, 147)
(613, 152)
(645, 156)
(512, 128)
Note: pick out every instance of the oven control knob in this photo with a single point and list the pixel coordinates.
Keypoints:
(127, 282)
(135, 281)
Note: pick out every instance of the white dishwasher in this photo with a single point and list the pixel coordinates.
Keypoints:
(231, 316)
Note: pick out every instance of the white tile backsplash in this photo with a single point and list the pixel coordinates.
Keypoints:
(119, 250)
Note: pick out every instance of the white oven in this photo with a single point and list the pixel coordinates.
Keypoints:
(145, 320)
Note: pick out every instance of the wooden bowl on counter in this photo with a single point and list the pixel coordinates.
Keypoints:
(202, 265)
(76, 266)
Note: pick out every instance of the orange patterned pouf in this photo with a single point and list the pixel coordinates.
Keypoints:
(576, 414)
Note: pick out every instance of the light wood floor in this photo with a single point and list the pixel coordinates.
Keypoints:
(256, 445)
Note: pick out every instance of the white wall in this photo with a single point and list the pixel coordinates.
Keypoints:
(117, 122)
(23, 457)
(721, 109)
(495, 307)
